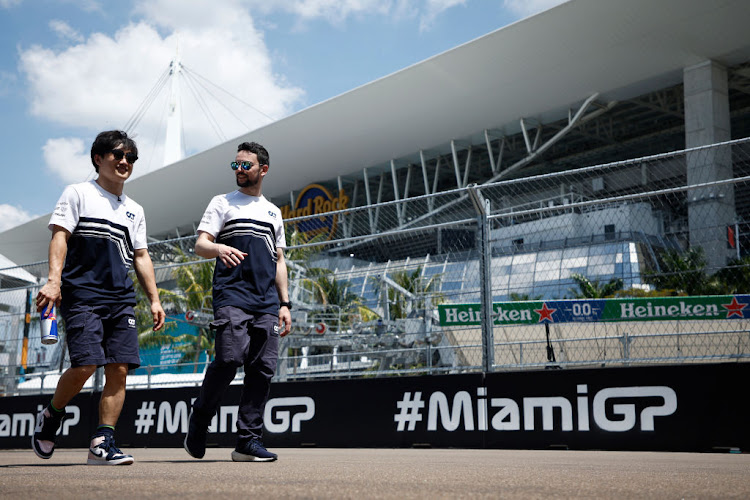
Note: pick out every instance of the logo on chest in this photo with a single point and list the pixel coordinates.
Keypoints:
(130, 215)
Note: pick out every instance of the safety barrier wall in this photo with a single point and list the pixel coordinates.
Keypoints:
(665, 408)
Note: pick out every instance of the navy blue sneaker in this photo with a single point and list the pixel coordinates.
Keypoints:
(43, 439)
(195, 439)
(252, 451)
(103, 451)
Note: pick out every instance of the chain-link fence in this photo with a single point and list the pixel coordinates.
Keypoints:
(598, 266)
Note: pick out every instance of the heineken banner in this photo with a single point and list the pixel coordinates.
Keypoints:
(589, 310)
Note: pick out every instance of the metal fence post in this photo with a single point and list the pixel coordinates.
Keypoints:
(485, 276)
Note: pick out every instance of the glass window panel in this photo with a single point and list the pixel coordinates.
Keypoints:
(451, 286)
(550, 255)
(601, 272)
(576, 262)
(524, 258)
(569, 253)
(597, 260)
(519, 269)
(548, 275)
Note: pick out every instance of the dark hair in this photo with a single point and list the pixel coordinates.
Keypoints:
(109, 140)
(254, 147)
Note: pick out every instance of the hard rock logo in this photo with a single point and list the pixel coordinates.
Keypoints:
(316, 199)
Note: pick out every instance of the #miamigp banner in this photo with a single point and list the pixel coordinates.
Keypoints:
(661, 408)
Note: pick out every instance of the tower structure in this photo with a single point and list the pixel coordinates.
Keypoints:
(174, 149)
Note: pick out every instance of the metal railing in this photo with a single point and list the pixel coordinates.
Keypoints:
(365, 296)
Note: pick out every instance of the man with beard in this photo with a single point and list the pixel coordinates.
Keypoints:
(250, 301)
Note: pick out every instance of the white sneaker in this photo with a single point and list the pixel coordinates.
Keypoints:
(103, 451)
(43, 438)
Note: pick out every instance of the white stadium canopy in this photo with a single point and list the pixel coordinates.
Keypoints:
(540, 68)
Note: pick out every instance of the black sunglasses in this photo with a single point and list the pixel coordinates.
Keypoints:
(246, 165)
(119, 154)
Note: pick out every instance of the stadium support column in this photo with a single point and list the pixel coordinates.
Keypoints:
(710, 209)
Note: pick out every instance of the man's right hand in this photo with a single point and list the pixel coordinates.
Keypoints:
(230, 256)
(49, 295)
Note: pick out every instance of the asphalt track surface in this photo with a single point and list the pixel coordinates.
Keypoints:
(380, 473)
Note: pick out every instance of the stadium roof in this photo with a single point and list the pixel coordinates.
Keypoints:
(538, 68)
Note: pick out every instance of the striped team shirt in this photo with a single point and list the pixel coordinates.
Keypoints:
(251, 224)
(105, 232)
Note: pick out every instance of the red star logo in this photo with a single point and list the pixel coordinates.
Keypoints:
(734, 307)
(545, 313)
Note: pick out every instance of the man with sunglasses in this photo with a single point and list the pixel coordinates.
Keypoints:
(97, 234)
(250, 301)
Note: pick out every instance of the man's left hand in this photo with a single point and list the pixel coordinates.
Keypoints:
(158, 315)
(285, 321)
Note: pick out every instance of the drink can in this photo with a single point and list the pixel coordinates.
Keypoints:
(49, 327)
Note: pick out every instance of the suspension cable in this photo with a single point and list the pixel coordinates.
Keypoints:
(204, 107)
(208, 91)
(134, 120)
(229, 94)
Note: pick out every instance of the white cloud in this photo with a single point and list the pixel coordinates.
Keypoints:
(69, 159)
(65, 31)
(334, 11)
(524, 8)
(100, 83)
(12, 216)
(87, 5)
(337, 11)
(433, 8)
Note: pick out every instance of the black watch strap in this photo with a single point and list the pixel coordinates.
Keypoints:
(286, 304)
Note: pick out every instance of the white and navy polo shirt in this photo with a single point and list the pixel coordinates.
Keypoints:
(251, 224)
(105, 232)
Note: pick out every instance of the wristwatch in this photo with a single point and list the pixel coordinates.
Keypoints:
(288, 305)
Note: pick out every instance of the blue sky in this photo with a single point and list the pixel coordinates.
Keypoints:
(72, 68)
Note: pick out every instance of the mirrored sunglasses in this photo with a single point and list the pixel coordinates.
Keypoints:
(246, 165)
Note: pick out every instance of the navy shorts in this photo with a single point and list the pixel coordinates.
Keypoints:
(100, 335)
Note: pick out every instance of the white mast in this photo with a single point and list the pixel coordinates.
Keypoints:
(173, 148)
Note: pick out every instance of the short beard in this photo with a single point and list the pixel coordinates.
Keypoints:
(245, 184)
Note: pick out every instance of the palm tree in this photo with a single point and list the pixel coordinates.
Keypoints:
(319, 285)
(193, 292)
(418, 288)
(684, 272)
(735, 276)
(339, 304)
(147, 337)
(301, 247)
(641, 293)
(588, 289)
(522, 297)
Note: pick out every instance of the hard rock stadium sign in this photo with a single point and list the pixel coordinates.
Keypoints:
(316, 199)
(569, 311)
